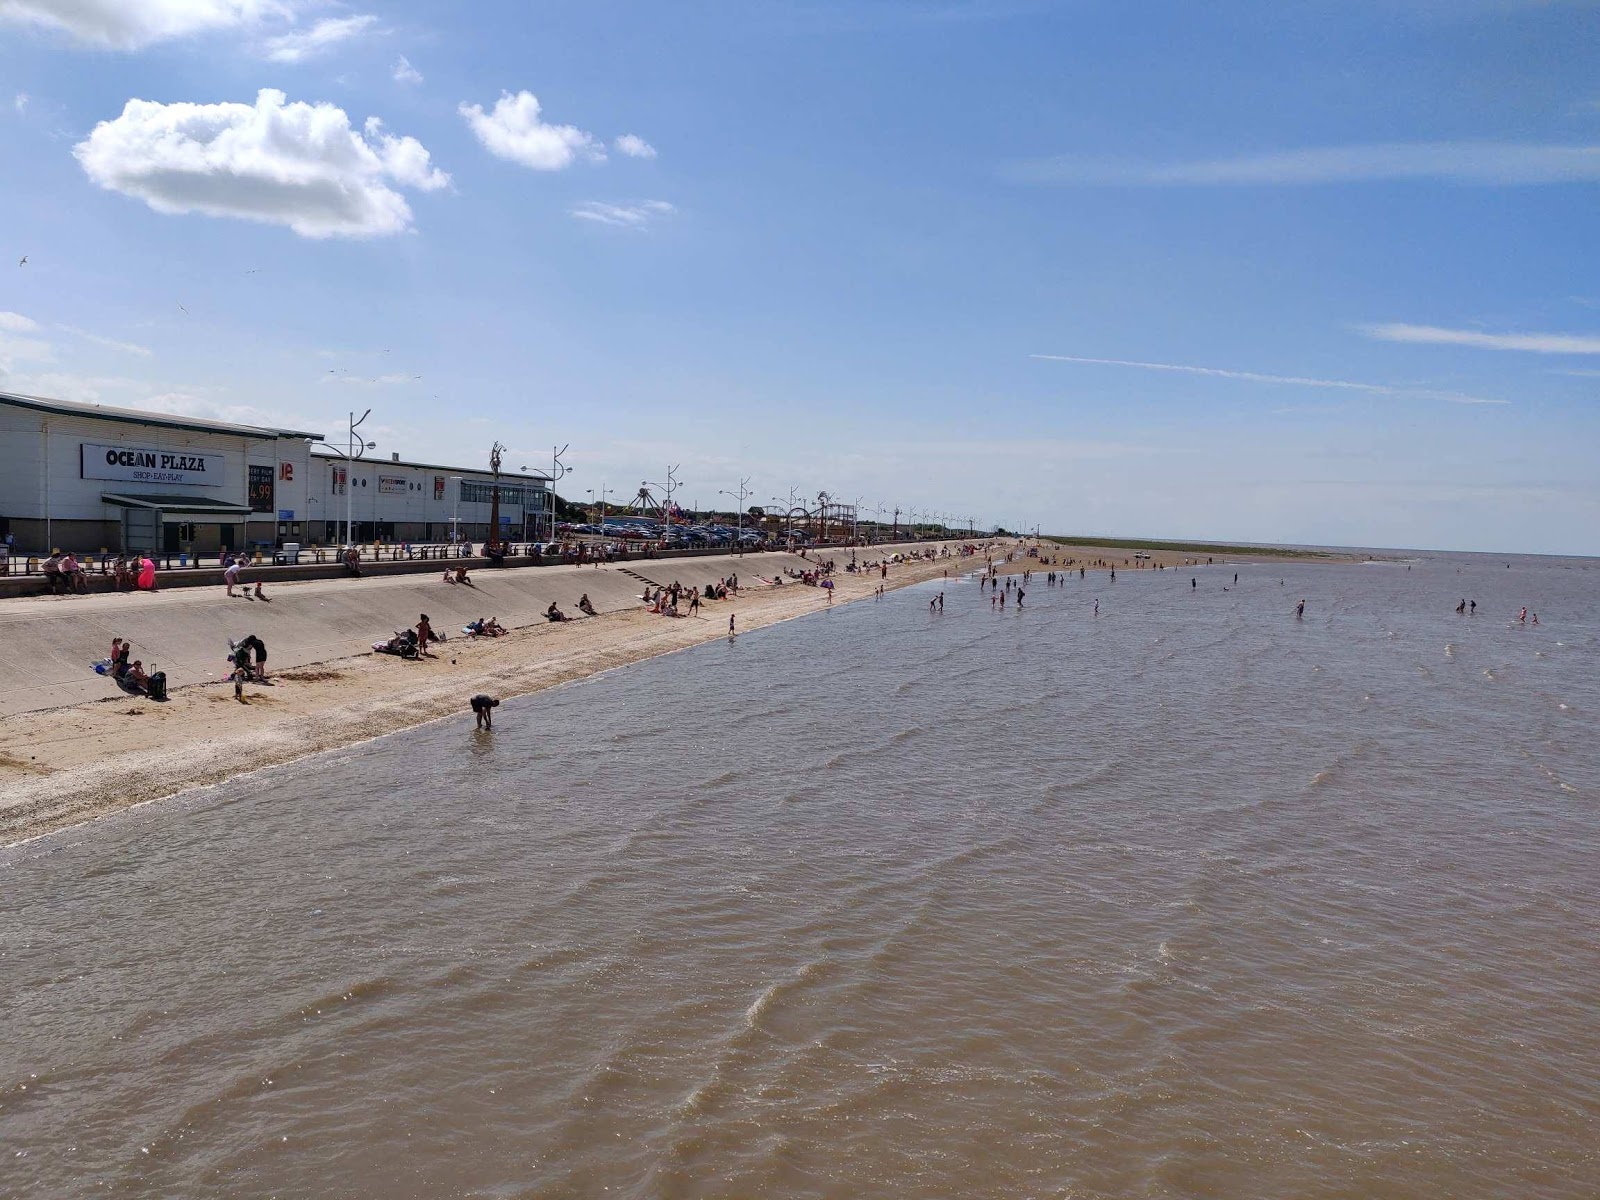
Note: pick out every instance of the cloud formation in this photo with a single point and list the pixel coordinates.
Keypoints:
(301, 44)
(1486, 163)
(404, 72)
(11, 322)
(634, 146)
(134, 24)
(108, 343)
(637, 215)
(299, 165)
(1373, 389)
(1537, 343)
(514, 131)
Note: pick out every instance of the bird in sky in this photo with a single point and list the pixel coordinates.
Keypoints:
(185, 311)
(23, 262)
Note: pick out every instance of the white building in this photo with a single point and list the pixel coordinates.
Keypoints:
(87, 478)
(395, 500)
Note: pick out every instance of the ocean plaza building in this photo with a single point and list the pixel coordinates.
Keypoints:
(86, 477)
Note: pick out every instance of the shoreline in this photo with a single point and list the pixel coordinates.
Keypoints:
(113, 755)
(94, 758)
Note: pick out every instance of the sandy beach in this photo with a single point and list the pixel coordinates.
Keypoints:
(63, 766)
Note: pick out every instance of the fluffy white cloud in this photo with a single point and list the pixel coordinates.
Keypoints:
(12, 322)
(301, 44)
(627, 216)
(300, 165)
(514, 131)
(404, 72)
(131, 24)
(20, 103)
(634, 146)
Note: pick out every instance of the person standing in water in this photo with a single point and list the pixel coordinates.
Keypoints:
(730, 624)
(1097, 607)
(1300, 611)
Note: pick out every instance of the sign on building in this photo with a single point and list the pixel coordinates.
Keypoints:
(150, 464)
(261, 489)
(390, 484)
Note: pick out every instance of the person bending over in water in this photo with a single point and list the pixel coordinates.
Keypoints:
(483, 708)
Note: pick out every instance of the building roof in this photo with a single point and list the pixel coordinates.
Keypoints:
(133, 416)
(198, 505)
(475, 472)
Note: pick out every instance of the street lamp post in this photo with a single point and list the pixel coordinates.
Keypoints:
(558, 470)
(455, 516)
(741, 495)
(356, 448)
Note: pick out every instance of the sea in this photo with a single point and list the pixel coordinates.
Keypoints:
(1186, 897)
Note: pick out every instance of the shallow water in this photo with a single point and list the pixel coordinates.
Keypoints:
(1187, 899)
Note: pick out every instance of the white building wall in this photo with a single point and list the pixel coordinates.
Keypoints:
(416, 495)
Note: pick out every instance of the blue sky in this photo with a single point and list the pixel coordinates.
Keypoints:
(1307, 273)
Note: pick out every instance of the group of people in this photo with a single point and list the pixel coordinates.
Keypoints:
(247, 663)
(129, 672)
(484, 627)
(66, 575)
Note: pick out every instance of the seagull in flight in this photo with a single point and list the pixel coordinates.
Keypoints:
(23, 262)
(185, 311)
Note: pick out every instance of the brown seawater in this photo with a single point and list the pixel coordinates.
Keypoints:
(1191, 898)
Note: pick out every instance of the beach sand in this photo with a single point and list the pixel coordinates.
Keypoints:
(63, 766)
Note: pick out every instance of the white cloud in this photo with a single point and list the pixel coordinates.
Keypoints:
(1374, 389)
(132, 24)
(404, 72)
(14, 350)
(632, 216)
(634, 146)
(1538, 343)
(186, 404)
(299, 164)
(514, 131)
(301, 44)
(12, 322)
(108, 343)
(20, 103)
(1487, 163)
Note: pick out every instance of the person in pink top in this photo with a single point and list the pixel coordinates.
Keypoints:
(147, 574)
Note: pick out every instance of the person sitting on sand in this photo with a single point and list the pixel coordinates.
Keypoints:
(119, 658)
(583, 603)
(493, 628)
(135, 678)
(473, 628)
(352, 561)
(461, 576)
(553, 613)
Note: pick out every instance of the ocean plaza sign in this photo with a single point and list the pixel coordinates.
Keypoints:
(150, 464)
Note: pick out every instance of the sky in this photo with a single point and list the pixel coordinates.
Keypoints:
(1320, 273)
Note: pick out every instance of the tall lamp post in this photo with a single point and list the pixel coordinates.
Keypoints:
(355, 450)
(558, 470)
(455, 518)
(741, 496)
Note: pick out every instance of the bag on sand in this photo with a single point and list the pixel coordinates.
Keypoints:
(157, 686)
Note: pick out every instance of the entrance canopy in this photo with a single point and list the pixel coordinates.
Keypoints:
(187, 508)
